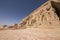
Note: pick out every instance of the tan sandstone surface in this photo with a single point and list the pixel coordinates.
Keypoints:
(30, 34)
(42, 24)
(44, 16)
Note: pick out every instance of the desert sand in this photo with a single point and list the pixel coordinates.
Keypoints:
(30, 34)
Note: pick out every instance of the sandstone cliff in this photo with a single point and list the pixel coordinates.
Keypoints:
(45, 15)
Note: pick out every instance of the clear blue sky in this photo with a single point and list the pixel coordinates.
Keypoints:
(13, 11)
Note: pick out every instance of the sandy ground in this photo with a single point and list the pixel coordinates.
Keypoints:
(30, 34)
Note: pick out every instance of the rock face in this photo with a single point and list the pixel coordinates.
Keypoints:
(42, 24)
(44, 16)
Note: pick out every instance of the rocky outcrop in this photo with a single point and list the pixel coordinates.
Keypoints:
(45, 15)
(11, 27)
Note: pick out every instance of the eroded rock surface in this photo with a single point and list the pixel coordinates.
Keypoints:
(44, 16)
(42, 24)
